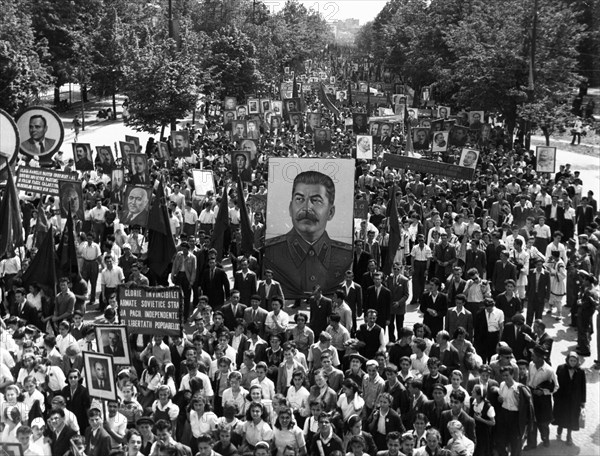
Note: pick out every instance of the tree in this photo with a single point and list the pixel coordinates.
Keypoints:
(23, 76)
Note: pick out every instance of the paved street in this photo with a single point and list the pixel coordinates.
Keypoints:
(587, 441)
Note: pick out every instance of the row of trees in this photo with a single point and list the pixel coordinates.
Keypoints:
(161, 54)
(477, 54)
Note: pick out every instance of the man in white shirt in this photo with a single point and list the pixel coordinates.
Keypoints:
(110, 278)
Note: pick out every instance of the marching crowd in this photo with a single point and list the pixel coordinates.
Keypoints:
(489, 263)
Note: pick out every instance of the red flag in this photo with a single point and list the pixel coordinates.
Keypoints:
(294, 88)
(41, 226)
(11, 227)
(245, 225)
(327, 102)
(42, 268)
(161, 246)
(67, 255)
(221, 226)
(409, 142)
(349, 93)
(394, 232)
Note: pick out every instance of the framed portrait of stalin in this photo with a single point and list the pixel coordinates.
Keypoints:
(309, 229)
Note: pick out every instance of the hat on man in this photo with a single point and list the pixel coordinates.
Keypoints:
(144, 420)
(439, 386)
(357, 356)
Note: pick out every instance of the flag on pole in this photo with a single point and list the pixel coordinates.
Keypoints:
(294, 88)
(161, 246)
(221, 226)
(394, 232)
(42, 268)
(67, 255)
(327, 102)
(245, 226)
(11, 228)
(41, 226)
(409, 141)
(349, 93)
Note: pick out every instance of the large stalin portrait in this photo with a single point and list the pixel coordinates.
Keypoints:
(306, 256)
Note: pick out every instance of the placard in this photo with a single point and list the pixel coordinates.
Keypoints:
(203, 182)
(41, 180)
(428, 166)
(151, 310)
(361, 209)
(545, 159)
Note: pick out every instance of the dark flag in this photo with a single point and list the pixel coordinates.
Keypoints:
(41, 226)
(221, 226)
(67, 255)
(327, 102)
(245, 226)
(394, 232)
(349, 93)
(42, 268)
(161, 246)
(409, 141)
(295, 88)
(11, 228)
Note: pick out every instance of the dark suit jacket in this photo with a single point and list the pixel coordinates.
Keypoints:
(502, 273)
(365, 282)
(381, 303)
(440, 306)
(230, 317)
(518, 344)
(29, 314)
(274, 291)
(78, 402)
(246, 286)
(584, 217)
(118, 352)
(216, 289)
(465, 419)
(452, 291)
(453, 321)
(393, 422)
(139, 219)
(320, 312)
(545, 341)
(176, 358)
(399, 290)
(430, 412)
(260, 351)
(29, 146)
(360, 264)
(560, 212)
(488, 393)
(354, 298)
(62, 443)
(98, 445)
(261, 316)
(449, 359)
(542, 291)
(476, 259)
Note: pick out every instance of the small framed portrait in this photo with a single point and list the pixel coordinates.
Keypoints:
(277, 107)
(360, 123)
(421, 138)
(266, 119)
(100, 375)
(104, 158)
(41, 132)
(229, 116)
(313, 121)
(11, 449)
(385, 133)
(413, 114)
(253, 129)
(265, 105)
(163, 150)
(240, 165)
(322, 140)
(440, 141)
(204, 181)
(286, 70)
(126, 149)
(399, 89)
(230, 103)
(296, 121)
(374, 128)
(242, 112)
(238, 130)
(82, 154)
(292, 105)
(332, 80)
(253, 106)
(363, 87)
(136, 206)
(138, 165)
(437, 125)
(112, 340)
(135, 140)
(545, 159)
(180, 143)
(364, 147)
(117, 185)
(468, 158)
(275, 122)
(475, 119)
(425, 123)
(458, 136)
(443, 112)
(249, 145)
(71, 198)
(341, 95)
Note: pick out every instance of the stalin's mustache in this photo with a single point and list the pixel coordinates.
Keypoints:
(306, 215)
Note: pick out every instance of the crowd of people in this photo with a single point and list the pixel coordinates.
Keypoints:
(489, 263)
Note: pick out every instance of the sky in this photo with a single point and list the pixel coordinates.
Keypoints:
(363, 10)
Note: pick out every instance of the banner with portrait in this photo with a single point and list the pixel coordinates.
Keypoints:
(41, 133)
(228, 118)
(204, 182)
(241, 112)
(265, 104)
(70, 194)
(136, 206)
(420, 138)
(241, 165)
(440, 141)
(296, 121)
(545, 159)
(9, 141)
(312, 244)
(277, 107)
(100, 377)
(458, 136)
(253, 107)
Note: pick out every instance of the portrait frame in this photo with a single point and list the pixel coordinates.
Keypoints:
(229, 104)
(10, 141)
(292, 116)
(116, 192)
(234, 127)
(313, 116)
(476, 118)
(135, 140)
(442, 145)
(229, 116)
(204, 181)
(322, 146)
(251, 146)
(87, 163)
(443, 112)
(265, 105)
(253, 133)
(74, 188)
(102, 332)
(366, 154)
(241, 112)
(55, 131)
(134, 179)
(253, 106)
(126, 148)
(453, 140)
(332, 80)
(89, 361)
(337, 230)
(11, 449)
(246, 173)
(292, 105)
(140, 218)
(545, 159)
(384, 138)
(163, 150)
(417, 145)
(275, 122)
(185, 151)
(101, 152)
(362, 126)
(277, 107)
(466, 158)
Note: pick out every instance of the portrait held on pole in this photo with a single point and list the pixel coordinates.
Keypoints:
(82, 154)
(112, 340)
(138, 165)
(126, 149)
(136, 205)
(240, 165)
(180, 143)
(421, 139)
(100, 376)
(105, 159)
(364, 147)
(230, 103)
(360, 123)
(71, 198)
(41, 132)
(458, 136)
(440, 141)
(545, 159)
(313, 244)
(468, 158)
(117, 185)
(322, 140)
